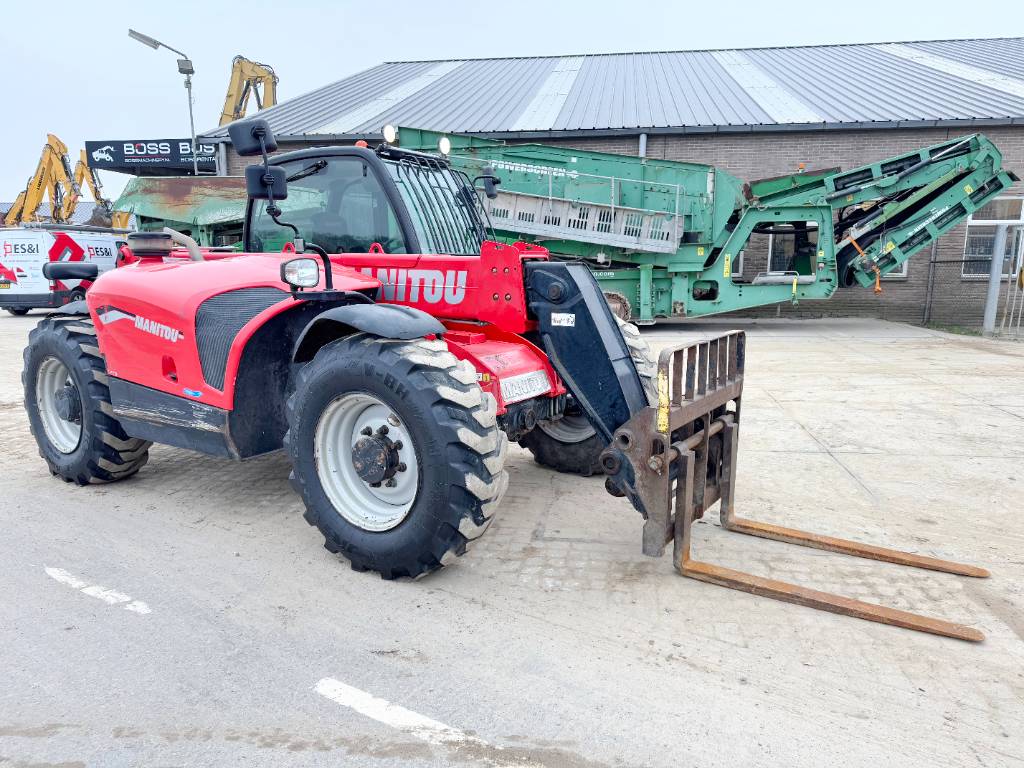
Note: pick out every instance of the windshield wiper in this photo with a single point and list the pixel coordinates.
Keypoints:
(310, 170)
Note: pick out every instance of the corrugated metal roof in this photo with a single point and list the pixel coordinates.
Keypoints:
(81, 215)
(863, 85)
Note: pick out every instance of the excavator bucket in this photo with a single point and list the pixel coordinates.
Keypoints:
(682, 455)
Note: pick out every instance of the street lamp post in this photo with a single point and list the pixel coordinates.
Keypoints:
(184, 67)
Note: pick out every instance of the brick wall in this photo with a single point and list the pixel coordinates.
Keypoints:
(954, 300)
(237, 164)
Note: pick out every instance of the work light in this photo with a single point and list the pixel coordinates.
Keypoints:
(301, 273)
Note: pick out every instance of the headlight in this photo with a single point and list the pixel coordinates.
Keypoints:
(390, 133)
(444, 145)
(301, 273)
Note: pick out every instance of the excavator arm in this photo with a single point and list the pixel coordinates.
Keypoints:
(247, 78)
(52, 178)
(84, 173)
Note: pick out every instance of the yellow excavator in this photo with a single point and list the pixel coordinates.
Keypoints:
(54, 178)
(247, 78)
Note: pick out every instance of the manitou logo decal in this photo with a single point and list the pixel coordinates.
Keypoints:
(108, 315)
(430, 285)
(157, 329)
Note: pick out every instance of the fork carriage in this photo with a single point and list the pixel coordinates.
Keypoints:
(682, 454)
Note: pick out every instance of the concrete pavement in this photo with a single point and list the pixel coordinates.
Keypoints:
(554, 642)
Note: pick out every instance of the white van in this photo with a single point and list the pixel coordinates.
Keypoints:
(24, 251)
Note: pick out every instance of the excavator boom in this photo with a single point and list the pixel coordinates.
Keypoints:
(54, 177)
(247, 79)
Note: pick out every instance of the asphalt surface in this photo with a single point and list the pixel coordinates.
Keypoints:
(190, 617)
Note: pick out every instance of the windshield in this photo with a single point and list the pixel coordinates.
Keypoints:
(444, 208)
(337, 203)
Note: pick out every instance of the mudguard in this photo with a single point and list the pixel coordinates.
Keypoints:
(390, 321)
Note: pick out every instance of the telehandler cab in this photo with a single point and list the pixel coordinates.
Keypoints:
(392, 347)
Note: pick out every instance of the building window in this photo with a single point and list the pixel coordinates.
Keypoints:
(982, 227)
(897, 274)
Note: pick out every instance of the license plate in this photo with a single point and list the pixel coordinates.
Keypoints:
(524, 386)
(5, 285)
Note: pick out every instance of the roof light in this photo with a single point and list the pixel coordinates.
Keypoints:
(390, 134)
(444, 145)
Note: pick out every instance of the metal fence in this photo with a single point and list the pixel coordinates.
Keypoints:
(960, 293)
(1010, 314)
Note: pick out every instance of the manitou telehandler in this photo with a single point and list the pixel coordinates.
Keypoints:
(392, 347)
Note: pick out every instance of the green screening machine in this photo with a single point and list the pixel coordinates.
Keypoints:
(664, 238)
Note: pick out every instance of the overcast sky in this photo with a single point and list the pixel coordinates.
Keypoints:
(70, 68)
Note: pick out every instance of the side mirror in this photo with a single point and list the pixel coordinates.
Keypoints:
(490, 181)
(491, 186)
(70, 270)
(246, 137)
(266, 182)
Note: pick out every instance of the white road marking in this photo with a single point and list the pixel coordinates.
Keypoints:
(420, 726)
(66, 578)
(383, 711)
(109, 596)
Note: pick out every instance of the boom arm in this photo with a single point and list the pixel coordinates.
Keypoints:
(53, 178)
(85, 173)
(247, 77)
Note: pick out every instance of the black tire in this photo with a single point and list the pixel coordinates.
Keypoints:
(104, 452)
(582, 457)
(18, 311)
(76, 295)
(459, 448)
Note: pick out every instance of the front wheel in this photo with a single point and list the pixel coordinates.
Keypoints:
(396, 452)
(570, 444)
(68, 405)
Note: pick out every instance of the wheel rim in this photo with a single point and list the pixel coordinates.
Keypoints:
(568, 429)
(342, 424)
(53, 381)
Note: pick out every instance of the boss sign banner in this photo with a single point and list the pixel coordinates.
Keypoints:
(150, 156)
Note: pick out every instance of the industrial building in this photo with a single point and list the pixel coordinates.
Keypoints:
(754, 112)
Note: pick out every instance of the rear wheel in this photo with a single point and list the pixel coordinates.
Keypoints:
(396, 452)
(68, 406)
(18, 311)
(570, 444)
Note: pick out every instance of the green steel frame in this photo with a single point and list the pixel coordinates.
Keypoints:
(869, 220)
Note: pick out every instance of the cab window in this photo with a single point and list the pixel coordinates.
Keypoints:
(337, 203)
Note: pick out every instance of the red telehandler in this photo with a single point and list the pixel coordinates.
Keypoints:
(392, 347)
